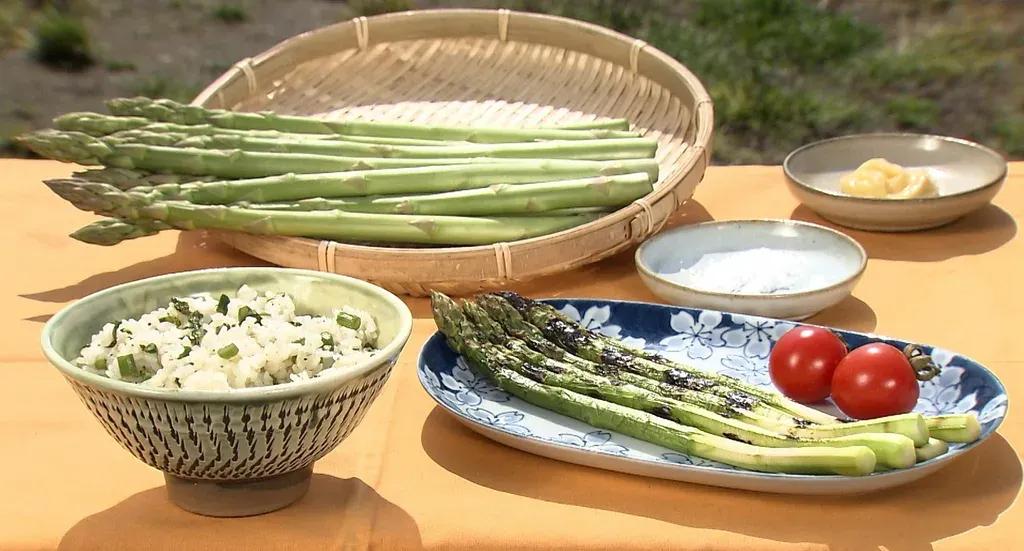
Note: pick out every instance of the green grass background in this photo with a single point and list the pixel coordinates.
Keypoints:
(781, 72)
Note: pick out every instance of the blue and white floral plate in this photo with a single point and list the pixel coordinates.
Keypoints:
(733, 344)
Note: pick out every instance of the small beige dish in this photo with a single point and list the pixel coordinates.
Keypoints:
(244, 451)
(967, 175)
(772, 268)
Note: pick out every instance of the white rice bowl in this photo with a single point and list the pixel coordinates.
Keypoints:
(215, 350)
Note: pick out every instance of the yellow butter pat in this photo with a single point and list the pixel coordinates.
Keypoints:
(881, 179)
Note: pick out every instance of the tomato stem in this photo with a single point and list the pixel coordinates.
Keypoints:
(924, 368)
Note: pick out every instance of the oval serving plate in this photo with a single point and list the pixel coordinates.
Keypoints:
(732, 344)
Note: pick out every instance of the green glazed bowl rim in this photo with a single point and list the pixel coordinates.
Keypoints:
(253, 394)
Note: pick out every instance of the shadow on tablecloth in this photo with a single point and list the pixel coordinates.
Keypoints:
(194, 251)
(336, 513)
(852, 314)
(970, 492)
(983, 230)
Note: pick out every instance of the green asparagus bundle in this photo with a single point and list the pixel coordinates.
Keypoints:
(173, 112)
(529, 383)
(167, 165)
(953, 427)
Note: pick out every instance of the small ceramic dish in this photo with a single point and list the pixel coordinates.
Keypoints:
(803, 267)
(239, 452)
(967, 174)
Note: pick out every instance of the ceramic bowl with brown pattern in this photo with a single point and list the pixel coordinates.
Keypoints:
(244, 451)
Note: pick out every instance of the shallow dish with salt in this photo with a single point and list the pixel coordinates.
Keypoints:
(778, 268)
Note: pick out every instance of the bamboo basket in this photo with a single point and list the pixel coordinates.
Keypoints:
(482, 67)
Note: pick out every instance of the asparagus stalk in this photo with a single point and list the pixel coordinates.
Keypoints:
(608, 124)
(760, 411)
(289, 187)
(931, 450)
(75, 147)
(850, 461)
(621, 148)
(123, 178)
(339, 226)
(959, 427)
(95, 124)
(112, 231)
(498, 199)
(170, 111)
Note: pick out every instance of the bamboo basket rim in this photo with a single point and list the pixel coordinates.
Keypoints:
(637, 51)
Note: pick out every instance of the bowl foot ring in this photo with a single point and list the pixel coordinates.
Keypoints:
(241, 498)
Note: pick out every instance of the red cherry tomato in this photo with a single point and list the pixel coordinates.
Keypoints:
(802, 362)
(875, 380)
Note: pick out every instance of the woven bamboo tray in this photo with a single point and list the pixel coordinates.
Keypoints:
(482, 67)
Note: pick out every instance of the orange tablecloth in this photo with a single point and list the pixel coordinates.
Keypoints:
(411, 477)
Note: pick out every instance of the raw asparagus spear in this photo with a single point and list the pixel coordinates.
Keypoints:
(288, 187)
(75, 147)
(96, 124)
(623, 148)
(910, 428)
(123, 178)
(339, 226)
(609, 124)
(498, 199)
(112, 231)
(849, 461)
(169, 111)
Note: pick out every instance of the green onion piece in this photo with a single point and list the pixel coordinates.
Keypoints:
(228, 352)
(184, 353)
(295, 323)
(172, 319)
(246, 312)
(299, 341)
(327, 341)
(113, 341)
(348, 320)
(100, 364)
(222, 304)
(181, 306)
(126, 365)
(150, 348)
